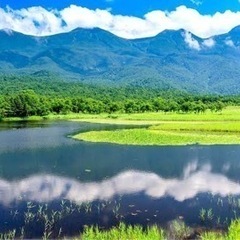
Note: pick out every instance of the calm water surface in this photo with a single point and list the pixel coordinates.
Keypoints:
(52, 183)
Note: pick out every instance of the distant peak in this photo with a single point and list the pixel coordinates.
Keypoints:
(180, 32)
(95, 29)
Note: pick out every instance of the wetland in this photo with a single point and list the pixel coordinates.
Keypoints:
(53, 186)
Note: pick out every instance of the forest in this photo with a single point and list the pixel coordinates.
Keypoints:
(25, 96)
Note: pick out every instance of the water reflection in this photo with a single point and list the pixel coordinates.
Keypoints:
(47, 188)
(36, 136)
(147, 185)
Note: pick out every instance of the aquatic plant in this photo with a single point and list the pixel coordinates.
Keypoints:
(11, 235)
(202, 214)
(179, 230)
(49, 221)
(210, 214)
(116, 209)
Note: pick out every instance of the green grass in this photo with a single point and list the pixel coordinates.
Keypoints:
(123, 232)
(234, 230)
(153, 137)
(171, 129)
(209, 127)
(228, 114)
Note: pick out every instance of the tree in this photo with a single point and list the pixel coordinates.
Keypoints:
(131, 106)
(25, 103)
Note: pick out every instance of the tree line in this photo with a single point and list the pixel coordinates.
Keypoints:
(28, 103)
(24, 96)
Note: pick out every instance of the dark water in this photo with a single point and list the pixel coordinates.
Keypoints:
(52, 184)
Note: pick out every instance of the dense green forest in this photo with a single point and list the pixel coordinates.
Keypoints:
(27, 96)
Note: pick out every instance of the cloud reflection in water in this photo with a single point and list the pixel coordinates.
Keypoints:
(46, 188)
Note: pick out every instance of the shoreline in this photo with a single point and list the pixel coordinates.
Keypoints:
(156, 129)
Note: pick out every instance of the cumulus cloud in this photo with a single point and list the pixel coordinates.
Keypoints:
(34, 21)
(209, 43)
(229, 43)
(46, 188)
(40, 22)
(191, 42)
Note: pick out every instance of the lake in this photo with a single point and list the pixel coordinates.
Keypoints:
(51, 184)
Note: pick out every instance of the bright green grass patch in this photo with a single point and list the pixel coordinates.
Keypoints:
(123, 232)
(171, 129)
(199, 126)
(234, 230)
(228, 114)
(153, 137)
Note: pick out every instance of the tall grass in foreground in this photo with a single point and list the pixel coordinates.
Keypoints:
(123, 232)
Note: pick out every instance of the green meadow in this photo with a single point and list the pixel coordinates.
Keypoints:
(169, 129)
(231, 114)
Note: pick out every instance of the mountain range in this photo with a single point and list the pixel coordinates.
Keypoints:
(171, 59)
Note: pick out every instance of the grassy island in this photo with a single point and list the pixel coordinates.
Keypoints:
(169, 129)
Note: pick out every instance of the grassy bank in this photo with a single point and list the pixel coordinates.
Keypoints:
(171, 129)
(68, 116)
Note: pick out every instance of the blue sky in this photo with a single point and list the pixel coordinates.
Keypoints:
(131, 7)
(124, 18)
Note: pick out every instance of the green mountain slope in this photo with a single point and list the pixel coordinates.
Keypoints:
(97, 56)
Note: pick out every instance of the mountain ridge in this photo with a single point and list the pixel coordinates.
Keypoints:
(173, 57)
(10, 31)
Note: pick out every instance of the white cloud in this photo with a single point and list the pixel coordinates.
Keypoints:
(229, 43)
(44, 188)
(196, 2)
(34, 21)
(191, 42)
(40, 22)
(209, 43)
